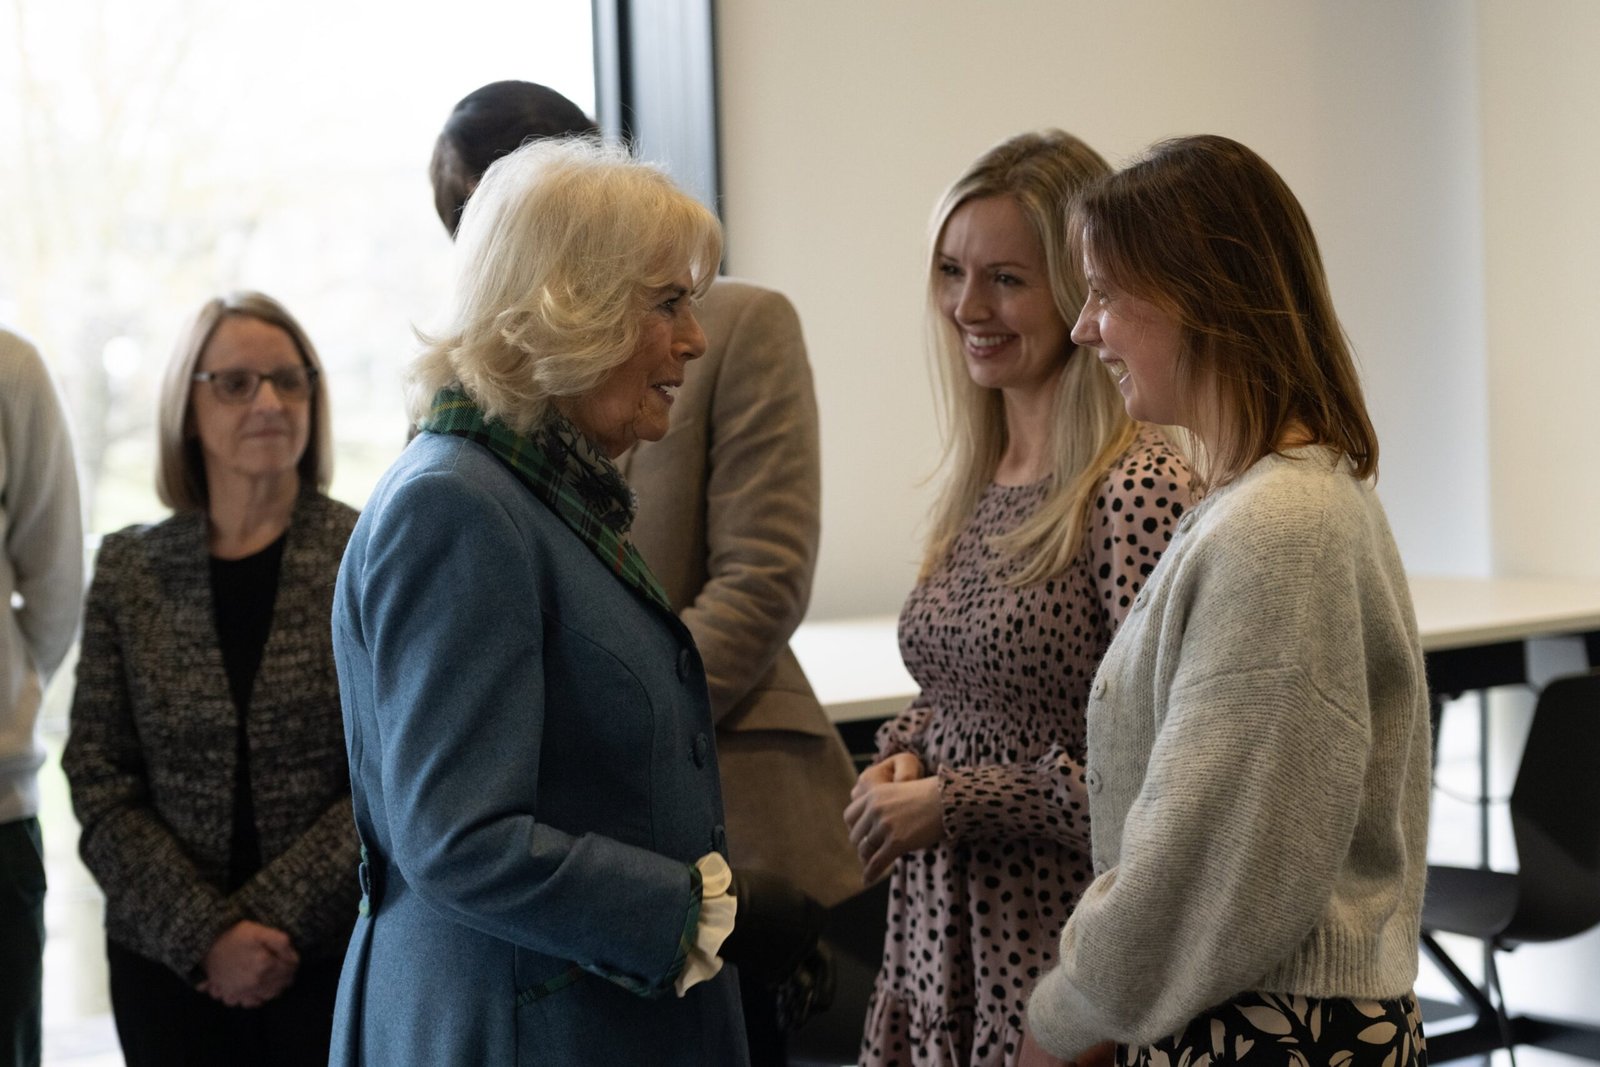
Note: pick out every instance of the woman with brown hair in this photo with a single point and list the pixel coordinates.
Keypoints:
(1055, 509)
(1258, 730)
(206, 754)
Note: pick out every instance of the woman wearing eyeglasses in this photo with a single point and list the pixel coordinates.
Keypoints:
(206, 755)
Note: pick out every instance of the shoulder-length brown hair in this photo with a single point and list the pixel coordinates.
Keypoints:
(1040, 172)
(1206, 230)
(181, 472)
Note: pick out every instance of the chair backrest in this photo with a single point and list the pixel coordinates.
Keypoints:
(1555, 815)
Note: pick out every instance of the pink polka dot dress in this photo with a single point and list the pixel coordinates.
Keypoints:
(1004, 675)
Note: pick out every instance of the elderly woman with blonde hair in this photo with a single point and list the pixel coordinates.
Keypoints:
(530, 738)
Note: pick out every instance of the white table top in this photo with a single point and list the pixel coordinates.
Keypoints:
(854, 664)
(1468, 612)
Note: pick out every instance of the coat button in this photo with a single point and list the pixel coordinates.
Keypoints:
(685, 662)
(1092, 779)
(702, 748)
(719, 839)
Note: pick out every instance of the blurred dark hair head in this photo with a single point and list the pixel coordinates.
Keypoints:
(491, 122)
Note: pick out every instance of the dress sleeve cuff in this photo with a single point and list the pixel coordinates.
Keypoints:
(960, 814)
(717, 910)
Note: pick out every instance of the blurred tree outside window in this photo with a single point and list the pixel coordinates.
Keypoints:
(155, 154)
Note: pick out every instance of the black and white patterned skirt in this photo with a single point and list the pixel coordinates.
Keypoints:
(1271, 1029)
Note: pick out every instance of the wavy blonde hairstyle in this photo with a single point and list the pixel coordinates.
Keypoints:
(1206, 230)
(180, 465)
(1041, 173)
(559, 252)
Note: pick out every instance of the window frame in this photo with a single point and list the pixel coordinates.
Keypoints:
(656, 86)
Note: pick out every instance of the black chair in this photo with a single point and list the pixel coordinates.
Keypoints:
(1555, 893)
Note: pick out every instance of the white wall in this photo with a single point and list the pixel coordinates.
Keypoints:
(1541, 138)
(843, 120)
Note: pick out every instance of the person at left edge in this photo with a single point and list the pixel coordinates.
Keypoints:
(206, 747)
(534, 778)
(41, 565)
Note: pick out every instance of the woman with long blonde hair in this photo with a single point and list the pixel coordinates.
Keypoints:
(1055, 508)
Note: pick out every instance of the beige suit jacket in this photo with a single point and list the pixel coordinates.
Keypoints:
(729, 518)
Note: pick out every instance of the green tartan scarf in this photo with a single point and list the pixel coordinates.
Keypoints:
(562, 468)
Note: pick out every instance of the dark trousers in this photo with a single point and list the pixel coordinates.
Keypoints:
(769, 1045)
(21, 941)
(164, 1022)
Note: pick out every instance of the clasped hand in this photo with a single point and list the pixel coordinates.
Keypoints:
(894, 809)
(1032, 1055)
(249, 965)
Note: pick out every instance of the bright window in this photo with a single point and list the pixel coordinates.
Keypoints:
(154, 154)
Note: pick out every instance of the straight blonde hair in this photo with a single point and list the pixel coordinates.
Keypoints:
(558, 254)
(1041, 173)
(180, 466)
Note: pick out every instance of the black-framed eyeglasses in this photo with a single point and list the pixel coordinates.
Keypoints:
(239, 386)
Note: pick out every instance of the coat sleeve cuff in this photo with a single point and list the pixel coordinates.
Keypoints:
(686, 939)
(717, 910)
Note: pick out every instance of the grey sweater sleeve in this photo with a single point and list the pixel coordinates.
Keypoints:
(39, 511)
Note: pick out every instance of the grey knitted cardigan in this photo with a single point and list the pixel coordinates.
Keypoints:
(151, 754)
(1258, 769)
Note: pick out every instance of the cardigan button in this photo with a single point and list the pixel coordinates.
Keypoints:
(1099, 868)
(1186, 522)
(1101, 687)
(702, 748)
(1092, 779)
(685, 663)
(1138, 601)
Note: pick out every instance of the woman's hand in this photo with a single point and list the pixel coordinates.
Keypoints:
(900, 767)
(1031, 1055)
(1102, 1055)
(894, 809)
(249, 965)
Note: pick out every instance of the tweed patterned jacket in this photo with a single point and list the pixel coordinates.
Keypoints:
(151, 755)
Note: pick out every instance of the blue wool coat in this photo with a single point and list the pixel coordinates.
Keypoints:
(533, 777)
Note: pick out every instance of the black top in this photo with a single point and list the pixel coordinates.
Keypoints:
(242, 594)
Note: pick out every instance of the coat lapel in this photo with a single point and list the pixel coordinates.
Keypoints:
(182, 560)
